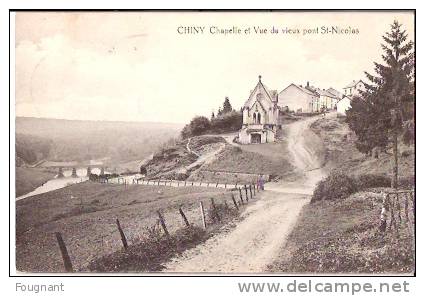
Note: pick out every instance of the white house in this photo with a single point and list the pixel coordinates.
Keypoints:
(342, 106)
(336, 96)
(260, 116)
(353, 89)
(299, 99)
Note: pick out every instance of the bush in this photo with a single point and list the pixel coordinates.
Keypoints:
(200, 125)
(339, 185)
(228, 122)
(336, 186)
(407, 182)
(371, 180)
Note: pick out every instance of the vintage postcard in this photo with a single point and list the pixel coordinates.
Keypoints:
(215, 142)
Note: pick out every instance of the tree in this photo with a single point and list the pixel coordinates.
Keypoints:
(219, 112)
(227, 107)
(197, 126)
(386, 108)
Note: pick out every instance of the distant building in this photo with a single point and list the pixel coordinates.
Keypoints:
(308, 99)
(263, 111)
(336, 93)
(299, 99)
(353, 89)
(260, 116)
(342, 106)
(327, 100)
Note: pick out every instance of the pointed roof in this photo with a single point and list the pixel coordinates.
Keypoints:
(303, 89)
(334, 92)
(353, 83)
(266, 98)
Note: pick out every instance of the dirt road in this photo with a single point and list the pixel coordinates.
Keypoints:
(255, 241)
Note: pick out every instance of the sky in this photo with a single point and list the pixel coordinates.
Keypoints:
(136, 66)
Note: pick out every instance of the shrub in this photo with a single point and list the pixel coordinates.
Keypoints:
(371, 180)
(407, 182)
(339, 185)
(200, 125)
(336, 186)
(228, 122)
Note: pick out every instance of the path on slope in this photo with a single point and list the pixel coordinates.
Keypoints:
(256, 240)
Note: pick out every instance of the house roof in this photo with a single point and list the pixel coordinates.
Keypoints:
(352, 84)
(334, 92)
(323, 92)
(345, 97)
(303, 89)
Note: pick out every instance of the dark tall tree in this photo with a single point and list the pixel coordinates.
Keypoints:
(385, 109)
(219, 112)
(227, 107)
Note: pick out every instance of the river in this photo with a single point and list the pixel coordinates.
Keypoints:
(57, 183)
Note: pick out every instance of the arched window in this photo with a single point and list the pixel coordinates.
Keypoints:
(255, 117)
(259, 118)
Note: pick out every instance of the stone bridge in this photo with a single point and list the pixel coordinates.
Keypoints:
(74, 170)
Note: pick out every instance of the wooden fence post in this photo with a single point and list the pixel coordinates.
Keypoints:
(204, 222)
(184, 217)
(234, 202)
(225, 185)
(240, 195)
(226, 205)
(216, 185)
(65, 256)
(250, 191)
(215, 210)
(164, 227)
(123, 238)
(192, 183)
(246, 193)
(253, 186)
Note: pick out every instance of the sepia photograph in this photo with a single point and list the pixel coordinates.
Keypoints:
(214, 142)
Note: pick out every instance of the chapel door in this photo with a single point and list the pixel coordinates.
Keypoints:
(255, 138)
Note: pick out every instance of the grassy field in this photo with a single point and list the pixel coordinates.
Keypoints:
(342, 236)
(269, 159)
(27, 179)
(85, 214)
(342, 154)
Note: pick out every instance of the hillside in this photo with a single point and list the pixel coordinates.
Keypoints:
(119, 144)
(342, 235)
(85, 214)
(27, 179)
(76, 140)
(342, 154)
